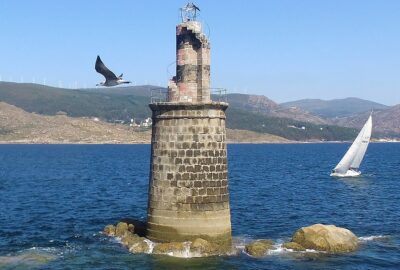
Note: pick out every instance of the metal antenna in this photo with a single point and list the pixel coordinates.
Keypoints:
(189, 12)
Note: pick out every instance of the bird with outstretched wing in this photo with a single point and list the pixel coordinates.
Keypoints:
(111, 78)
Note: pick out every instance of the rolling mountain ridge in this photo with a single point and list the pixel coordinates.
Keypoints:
(387, 122)
(246, 112)
(263, 105)
(335, 107)
(76, 103)
(19, 126)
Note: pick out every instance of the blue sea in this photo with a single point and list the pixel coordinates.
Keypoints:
(56, 199)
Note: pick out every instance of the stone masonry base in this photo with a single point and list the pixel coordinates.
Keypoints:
(188, 191)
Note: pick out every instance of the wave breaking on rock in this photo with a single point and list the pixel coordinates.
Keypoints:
(132, 237)
(317, 238)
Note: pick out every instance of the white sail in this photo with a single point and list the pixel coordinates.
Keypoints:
(363, 144)
(353, 157)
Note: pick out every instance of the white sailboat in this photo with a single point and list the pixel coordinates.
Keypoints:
(350, 163)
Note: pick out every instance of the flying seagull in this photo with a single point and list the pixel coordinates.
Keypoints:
(111, 79)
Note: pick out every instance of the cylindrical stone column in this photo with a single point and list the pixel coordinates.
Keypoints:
(188, 191)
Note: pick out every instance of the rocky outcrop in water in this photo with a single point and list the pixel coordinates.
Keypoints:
(170, 248)
(259, 248)
(327, 238)
(204, 248)
(126, 232)
(109, 230)
(129, 234)
(121, 229)
(293, 246)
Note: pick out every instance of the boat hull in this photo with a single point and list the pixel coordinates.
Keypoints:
(349, 173)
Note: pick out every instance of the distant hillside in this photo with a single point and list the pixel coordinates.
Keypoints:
(386, 123)
(246, 112)
(263, 105)
(139, 90)
(287, 128)
(336, 107)
(76, 103)
(247, 136)
(18, 126)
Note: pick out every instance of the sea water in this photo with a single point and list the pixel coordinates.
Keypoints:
(56, 199)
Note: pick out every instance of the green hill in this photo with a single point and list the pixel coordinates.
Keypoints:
(125, 103)
(287, 128)
(138, 90)
(336, 107)
(76, 103)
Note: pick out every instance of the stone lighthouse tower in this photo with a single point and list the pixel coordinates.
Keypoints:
(188, 188)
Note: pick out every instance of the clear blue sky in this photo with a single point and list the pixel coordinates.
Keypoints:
(284, 49)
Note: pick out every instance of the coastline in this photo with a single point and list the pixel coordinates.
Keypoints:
(24, 142)
(20, 127)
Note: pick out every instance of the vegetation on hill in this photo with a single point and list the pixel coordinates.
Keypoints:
(51, 101)
(287, 128)
(24, 127)
(113, 104)
(138, 90)
(4, 131)
(19, 126)
(247, 136)
(386, 123)
(262, 105)
(336, 107)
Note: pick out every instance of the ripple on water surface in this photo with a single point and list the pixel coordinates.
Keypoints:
(55, 199)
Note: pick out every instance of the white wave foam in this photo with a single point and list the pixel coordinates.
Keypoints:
(277, 249)
(150, 244)
(313, 251)
(240, 242)
(52, 250)
(186, 251)
(372, 238)
(116, 239)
